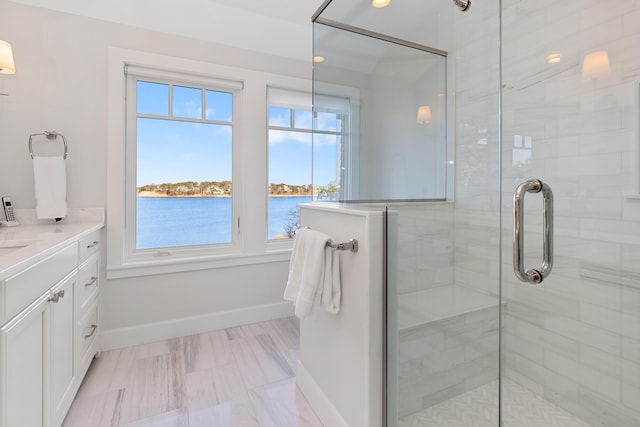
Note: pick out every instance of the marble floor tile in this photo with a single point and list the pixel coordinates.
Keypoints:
(259, 361)
(118, 363)
(101, 410)
(282, 405)
(237, 377)
(177, 418)
(207, 350)
(156, 386)
(234, 413)
(286, 337)
(246, 331)
(214, 386)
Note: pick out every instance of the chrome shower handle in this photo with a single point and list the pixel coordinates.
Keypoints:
(532, 276)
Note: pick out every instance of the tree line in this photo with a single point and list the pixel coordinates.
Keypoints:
(224, 188)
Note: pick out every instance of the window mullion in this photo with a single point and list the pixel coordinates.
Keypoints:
(203, 104)
(170, 100)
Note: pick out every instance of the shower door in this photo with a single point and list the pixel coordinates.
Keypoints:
(571, 344)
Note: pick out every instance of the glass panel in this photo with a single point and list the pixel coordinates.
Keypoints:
(187, 102)
(572, 343)
(442, 258)
(302, 119)
(280, 117)
(328, 121)
(219, 106)
(327, 171)
(183, 167)
(395, 144)
(289, 180)
(152, 98)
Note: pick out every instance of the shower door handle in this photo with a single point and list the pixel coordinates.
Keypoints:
(532, 276)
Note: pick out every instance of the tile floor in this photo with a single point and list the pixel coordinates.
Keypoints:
(237, 377)
(245, 377)
(479, 408)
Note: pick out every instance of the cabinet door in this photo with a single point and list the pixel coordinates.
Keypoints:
(61, 334)
(22, 341)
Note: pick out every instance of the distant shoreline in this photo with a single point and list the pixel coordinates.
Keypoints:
(200, 196)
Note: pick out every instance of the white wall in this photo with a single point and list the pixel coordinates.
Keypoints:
(61, 84)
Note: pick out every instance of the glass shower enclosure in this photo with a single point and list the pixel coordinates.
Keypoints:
(502, 138)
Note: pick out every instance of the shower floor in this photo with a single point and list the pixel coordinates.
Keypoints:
(478, 408)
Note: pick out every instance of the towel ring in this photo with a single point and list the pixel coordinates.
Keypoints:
(50, 134)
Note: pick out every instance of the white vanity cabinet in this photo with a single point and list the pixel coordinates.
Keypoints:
(23, 372)
(47, 342)
(87, 327)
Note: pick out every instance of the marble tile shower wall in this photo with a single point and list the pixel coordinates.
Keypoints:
(423, 252)
(576, 338)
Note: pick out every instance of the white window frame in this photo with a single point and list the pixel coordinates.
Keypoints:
(135, 74)
(249, 168)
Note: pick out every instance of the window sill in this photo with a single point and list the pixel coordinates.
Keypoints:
(166, 265)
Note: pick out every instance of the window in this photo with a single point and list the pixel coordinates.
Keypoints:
(188, 133)
(290, 134)
(330, 148)
(302, 140)
(182, 135)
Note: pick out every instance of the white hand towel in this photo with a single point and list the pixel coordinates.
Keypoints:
(331, 287)
(50, 179)
(307, 271)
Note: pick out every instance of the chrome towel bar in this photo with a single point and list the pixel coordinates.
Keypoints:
(351, 245)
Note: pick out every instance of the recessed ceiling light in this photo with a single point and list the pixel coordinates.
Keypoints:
(380, 3)
(318, 59)
(554, 58)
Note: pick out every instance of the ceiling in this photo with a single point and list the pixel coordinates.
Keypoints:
(277, 27)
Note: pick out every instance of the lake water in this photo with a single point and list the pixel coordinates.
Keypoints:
(180, 221)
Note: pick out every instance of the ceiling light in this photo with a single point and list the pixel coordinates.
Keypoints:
(554, 58)
(318, 59)
(380, 3)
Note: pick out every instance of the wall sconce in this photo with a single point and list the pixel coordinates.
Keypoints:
(7, 66)
(424, 114)
(595, 66)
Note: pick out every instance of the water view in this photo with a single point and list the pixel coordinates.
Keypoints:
(183, 221)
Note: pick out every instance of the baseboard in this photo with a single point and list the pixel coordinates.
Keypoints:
(152, 332)
(319, 401)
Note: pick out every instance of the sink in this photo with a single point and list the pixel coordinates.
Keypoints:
(9, 246)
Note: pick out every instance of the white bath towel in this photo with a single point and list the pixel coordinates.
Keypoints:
(50, 179)
(314, 275)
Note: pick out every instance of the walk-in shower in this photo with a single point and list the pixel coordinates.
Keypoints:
(444, 116)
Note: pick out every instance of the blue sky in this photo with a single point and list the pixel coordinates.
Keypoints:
(175, 151)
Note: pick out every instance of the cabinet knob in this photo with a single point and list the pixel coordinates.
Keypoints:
(55, 297)
(91, 281)
(93, 244)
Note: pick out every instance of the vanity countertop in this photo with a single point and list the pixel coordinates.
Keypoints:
(33, 240)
